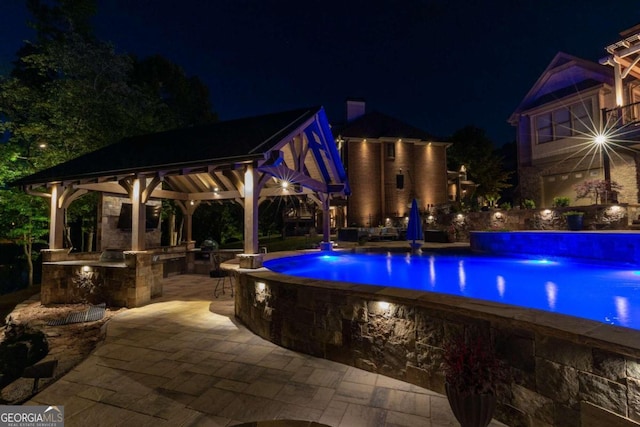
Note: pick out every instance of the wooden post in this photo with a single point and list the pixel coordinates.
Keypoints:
(326, 244)
(138, 215)
(250, 211)
(56, 223)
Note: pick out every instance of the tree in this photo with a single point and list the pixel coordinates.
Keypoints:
(24, 221)
(69, 94)
(187, 98)
(473, 149)
(597, 189)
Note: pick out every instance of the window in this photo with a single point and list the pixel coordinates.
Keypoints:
(391, 150)
(574, 120)
(582, 120)
(562, 123)
(544, 127)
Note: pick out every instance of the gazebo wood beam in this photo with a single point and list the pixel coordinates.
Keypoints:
(630, 67)
(169, 194)
(214, 195)
(104, 187)
(278, 191)
(148, 191)
(296, 177)
(70, 196)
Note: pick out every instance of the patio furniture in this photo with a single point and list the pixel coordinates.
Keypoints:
(40, 370)
(223, 276)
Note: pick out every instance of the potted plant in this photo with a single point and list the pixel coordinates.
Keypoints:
(472, 372)
(574, 220)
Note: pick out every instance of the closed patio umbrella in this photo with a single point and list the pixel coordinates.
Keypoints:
(414, 228)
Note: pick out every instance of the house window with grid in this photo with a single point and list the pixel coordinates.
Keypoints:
(391, 150)
(574, 120)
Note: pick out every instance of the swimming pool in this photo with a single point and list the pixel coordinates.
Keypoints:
(602, 292)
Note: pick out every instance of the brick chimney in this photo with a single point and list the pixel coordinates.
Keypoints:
(355, 109)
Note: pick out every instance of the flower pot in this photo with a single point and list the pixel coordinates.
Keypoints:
(471, 410)
(574, 222)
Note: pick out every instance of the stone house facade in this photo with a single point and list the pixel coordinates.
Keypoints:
(576, 124)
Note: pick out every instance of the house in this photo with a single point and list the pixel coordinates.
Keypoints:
(388, 164)
(577, 124)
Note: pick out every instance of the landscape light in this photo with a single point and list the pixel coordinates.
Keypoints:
(383, 305)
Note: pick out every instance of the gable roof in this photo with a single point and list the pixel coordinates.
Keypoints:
(242, 139)
(379, 125)
(565, 75)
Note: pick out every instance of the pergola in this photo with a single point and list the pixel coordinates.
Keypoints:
(624, 57)
(245, 161)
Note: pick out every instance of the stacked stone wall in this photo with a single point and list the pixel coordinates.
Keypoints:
(551, 374)
(596, 217)
(111, 237)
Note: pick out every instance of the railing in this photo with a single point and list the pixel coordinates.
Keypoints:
(623, 115)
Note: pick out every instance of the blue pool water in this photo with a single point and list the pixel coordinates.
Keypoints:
(605, 293)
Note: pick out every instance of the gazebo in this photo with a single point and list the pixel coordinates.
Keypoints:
(244, 160)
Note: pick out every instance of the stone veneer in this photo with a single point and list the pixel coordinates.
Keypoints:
(131, 283)
(558, 365)
(108, 233)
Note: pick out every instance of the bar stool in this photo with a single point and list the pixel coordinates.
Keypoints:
(224, 276)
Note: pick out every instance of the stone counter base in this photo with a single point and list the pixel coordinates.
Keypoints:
(400, 334)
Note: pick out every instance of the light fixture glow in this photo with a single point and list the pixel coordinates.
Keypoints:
(260, 286)
(383, 305)
(600, 139)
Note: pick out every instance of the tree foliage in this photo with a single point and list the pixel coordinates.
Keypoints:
(187, 98)
(70, 93)
(24, 220)
(474, 150)
(597, 189)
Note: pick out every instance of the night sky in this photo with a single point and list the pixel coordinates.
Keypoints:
(439, 65)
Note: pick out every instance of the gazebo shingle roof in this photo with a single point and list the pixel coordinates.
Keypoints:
(379, 125)
(245, 138)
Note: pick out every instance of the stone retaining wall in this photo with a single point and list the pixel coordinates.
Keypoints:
(400, 333)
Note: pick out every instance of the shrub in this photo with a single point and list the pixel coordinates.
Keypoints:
(528, 204)
(471, 366)
(598, 189)
(561, 201)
